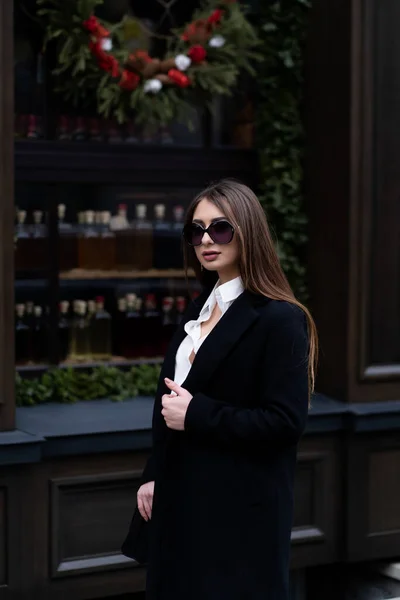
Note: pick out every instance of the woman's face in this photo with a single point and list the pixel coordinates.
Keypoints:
(223, 258)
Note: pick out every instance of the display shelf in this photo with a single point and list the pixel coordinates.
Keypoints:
(93, 275)
(55, 161)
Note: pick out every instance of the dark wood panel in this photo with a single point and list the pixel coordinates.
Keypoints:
(315, 532)
(3, 536)
(88, 521)
(373, 499)
(384, 493)
(381, 243)
(7, 412)
(342, 132)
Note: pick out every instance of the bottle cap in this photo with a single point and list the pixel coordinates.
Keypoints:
(180, 302)
(122, 304)
(179, 212)
(141, 210)
(89, 217)
(37, 311)
(159, 211)
(37, 216)
(105, 217)
(131, 297)
(21, 216)
(20, 308)
(167, 302)
(122, 207)
(99, 299)
(61, 211)
(64, 306)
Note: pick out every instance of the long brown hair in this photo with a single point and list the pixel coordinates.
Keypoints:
(259, 264)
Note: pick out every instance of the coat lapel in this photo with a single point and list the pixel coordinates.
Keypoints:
(226, 333)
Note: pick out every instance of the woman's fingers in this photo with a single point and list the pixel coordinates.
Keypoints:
(145, 501)
(141, 507)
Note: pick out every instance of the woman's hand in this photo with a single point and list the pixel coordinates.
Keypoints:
(175, 405)
(145, 499)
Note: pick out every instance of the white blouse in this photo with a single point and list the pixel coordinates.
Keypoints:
(224, 295)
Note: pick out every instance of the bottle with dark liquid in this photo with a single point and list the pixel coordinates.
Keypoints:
(68, 249)
(124, 247)
(63, 331)
(100, 332)
(180, 302)
(168, 324)
(143, 239)
(176, 251)
(162, 235)
(39, 337)
(131, 337)
(39, 241)
(22, 250)
(23, 344)
(119, 327)
(151, 327)
(88, 243)
(106, 243)
(79, 345)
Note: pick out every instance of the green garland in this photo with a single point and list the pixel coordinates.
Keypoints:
(71, 385)
(281, 139)
(203, 59)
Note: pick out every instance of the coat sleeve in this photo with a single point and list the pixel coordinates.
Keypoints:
(281, 415)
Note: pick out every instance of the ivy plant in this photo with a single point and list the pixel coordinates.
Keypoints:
(72, 385)
(281, 139)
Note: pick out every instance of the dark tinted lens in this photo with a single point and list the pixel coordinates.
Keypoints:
(193, 234)
(221, 232)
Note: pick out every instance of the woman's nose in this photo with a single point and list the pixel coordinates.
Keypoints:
(206, 238)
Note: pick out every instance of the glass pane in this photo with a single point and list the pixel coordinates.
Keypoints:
(122, 288)
(41, 113)
(385, 259)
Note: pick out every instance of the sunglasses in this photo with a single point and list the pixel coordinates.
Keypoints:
(221, 232)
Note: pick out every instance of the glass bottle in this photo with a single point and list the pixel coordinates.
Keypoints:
(39, 242)
(131, 339)
(143, 239)
(107, 243)
(68, 248)
(63, 331)
(162, 235)
(180, 302)
(88, 242)
(22, 250)
(80, 334)
(176, 251)
(118, 329)
(151, 327)
(39, 337)
(124, 240)
(168, 324)
(100, 332)
(22, 337)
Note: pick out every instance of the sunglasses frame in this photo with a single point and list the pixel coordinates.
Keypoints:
(206, 230)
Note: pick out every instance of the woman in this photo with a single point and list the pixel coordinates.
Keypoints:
(231, 406)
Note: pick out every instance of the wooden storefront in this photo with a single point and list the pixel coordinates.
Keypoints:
(68, 473)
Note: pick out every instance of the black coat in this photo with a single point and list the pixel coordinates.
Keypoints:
(223, 500)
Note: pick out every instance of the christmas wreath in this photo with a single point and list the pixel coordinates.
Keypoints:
(203, 59)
